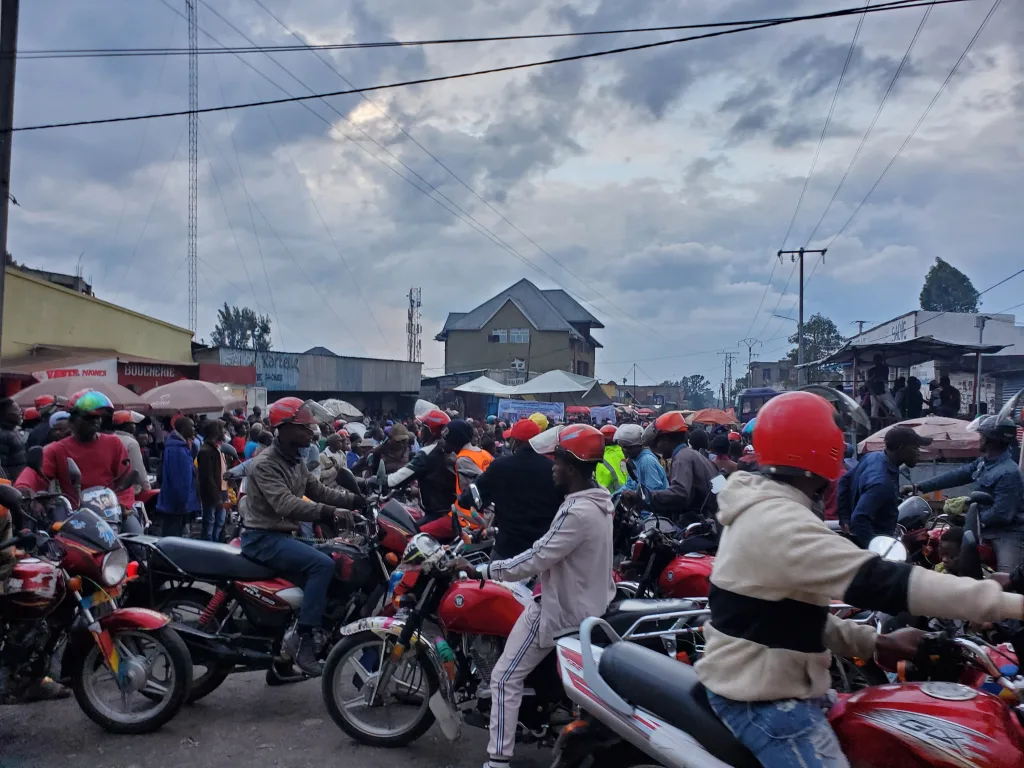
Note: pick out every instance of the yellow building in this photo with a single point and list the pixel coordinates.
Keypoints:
(40, 313)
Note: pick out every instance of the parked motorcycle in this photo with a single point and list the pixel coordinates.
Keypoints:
(644, 709)
(241, 624)
(129, 670)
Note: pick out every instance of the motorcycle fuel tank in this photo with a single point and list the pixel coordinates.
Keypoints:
(31, 589)
(474, 609)
(933, 725)
(687, 576)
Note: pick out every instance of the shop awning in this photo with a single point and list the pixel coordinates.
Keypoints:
(903, 354)
(45, 357)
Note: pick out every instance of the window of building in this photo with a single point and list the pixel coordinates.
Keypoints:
(499, 335)
(518, 335)
(518, 364)
(766, 375)
(583, 367)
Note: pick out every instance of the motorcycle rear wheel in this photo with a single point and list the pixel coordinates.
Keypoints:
(341, 664)
(185, 606)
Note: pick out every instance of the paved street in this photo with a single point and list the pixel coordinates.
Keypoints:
(242, 724)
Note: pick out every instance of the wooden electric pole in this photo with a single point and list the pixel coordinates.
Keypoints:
(794, 255)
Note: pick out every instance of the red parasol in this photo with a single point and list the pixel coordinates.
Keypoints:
(578, 410)
(713, 416)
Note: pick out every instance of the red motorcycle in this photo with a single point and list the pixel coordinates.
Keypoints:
(391, 676)
(130, 671)
(658, 569)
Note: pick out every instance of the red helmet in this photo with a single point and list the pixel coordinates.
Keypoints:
(44, 400)
(735, 436)
(436, 421)
(608, 430)
(122, 417)
(797, 432)
(291, 410)
(31, 414)
(581, 441)
(673, 421)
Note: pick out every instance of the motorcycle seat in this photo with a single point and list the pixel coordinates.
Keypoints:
(623, 614)
(211, 560)
(671, 690)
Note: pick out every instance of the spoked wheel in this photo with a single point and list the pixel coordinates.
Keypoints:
(152, 682)
(186, 606)
(394, 717)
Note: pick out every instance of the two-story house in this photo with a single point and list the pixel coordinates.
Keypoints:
(522, 330)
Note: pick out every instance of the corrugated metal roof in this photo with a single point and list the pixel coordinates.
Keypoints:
(546, 311)
(43, 356)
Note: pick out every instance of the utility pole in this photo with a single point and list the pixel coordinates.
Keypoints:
(794, 255)
(8, 58)
(979, 323)
(193, 161)
(413, 327)
(727, 379)
(860, 325)
(750, 351)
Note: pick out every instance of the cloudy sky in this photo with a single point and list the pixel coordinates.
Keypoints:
(658, 183)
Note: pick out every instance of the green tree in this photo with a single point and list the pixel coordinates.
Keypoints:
(947, 289)
(699, 393)
(821, 338)
(241, 328)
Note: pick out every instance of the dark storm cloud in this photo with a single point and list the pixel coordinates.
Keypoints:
(814, 66)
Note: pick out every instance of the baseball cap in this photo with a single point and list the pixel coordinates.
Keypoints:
(524, 429)
(901, 437)
(399, 434)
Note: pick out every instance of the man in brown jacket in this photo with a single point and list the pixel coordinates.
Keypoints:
(272, 510)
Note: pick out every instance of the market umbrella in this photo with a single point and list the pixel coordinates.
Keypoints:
(951, 438)
(340, 409)
(122, 397)
(192, 396)
(713, 416)
(577, 410)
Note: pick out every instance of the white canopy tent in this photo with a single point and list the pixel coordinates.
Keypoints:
(482, 385)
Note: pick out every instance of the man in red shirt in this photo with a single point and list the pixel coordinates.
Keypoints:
(102, 459)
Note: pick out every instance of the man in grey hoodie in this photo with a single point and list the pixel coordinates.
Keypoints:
(574, 563)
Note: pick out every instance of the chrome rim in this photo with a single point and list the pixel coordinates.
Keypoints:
(398, 708)
(148, 678)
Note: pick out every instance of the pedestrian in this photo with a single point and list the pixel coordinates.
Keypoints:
(913, 400)
(210, 469)
(611, 471)
(178, 500)
(720, 450)
(882, 403)
(12, 449)
(253, 443)
(256, 416)
(332, 459)
(47, 405)
(241, 437)
(124, 430)
(648, 470)
(950, 398)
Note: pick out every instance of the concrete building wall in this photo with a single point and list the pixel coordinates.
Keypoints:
(955, 327)
(546, 350)
(38, 312)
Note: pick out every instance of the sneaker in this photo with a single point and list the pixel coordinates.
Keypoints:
(299, 648)
(496, 763)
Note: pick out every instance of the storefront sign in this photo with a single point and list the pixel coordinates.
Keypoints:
(102, 369)
(513, 410)
(152, 371)
(277, 371)
(142, 377)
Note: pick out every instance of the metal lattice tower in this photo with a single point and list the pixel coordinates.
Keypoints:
(413, 328)
(193, 159)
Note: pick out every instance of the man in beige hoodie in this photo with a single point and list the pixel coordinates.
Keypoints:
(766, 666)
(574, 563)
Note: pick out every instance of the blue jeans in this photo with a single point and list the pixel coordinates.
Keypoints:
(1009, 550)
(785, 733)
(213, 521)
(300, 563)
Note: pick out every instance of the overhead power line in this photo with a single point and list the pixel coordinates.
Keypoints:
(56, 53)
(490, 71)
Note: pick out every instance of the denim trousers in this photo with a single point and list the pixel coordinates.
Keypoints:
(1009, 550)
(299, 563)
(784, 733)
(213, 521)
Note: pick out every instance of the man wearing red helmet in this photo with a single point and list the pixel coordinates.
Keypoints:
(574, 562)
(766, 665)
(428, 466)
(272, 510)
(522, 489)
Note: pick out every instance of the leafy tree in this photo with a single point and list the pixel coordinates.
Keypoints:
(241, 328)
(821, 338)
(947, 289)
(699, 393)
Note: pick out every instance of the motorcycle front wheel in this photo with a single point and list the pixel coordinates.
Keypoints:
(156, 674)
(400, 714)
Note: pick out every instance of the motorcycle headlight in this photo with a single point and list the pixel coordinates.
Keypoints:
(115, 567)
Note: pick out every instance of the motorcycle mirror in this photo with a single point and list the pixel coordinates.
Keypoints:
(888, 548)
(717, 484)
(74, 473)
(970, 558)
(972, 520)
(478, 500)
(1006, 412)
(35, 458)
(229, 450)
(130, 478)
(10, 497)
(631, 470)
(382, 474)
